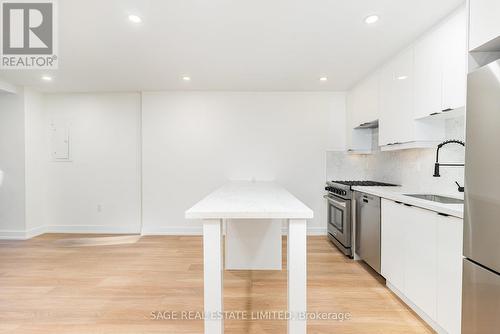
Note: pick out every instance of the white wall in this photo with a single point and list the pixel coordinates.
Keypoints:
(36, 157)
(99, 190)
(12, 161)
(195, 142)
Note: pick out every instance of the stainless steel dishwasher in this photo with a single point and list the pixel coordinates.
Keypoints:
(368, 229)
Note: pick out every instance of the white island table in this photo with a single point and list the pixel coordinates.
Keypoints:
(247, 201)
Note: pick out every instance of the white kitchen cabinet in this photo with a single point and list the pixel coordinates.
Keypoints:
(484, 25)
(429, 63)
(396, 100)
(398, 128)
(366, 97)
(421, 257)
(455, 61)
(362, 108)
(392, 243)
(440, 67)
(449, 273)
(426, 78)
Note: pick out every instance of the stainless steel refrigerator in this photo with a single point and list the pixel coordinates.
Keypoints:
(481, 271)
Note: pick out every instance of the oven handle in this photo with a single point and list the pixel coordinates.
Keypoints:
(331, 200)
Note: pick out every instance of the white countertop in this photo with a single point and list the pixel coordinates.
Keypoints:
(250, 200)
(397, 194)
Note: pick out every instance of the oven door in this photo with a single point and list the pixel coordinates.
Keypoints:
(339, 219)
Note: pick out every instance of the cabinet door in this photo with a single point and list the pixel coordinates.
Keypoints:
(385, 132)
(455, 61)
(363, 101)
(397, 100)
(420, 258)
(429, 73)
(484, 22)
(368, 94)
(449, 275)
(350, 118)
(357, 139)
(392, 243)
(352, 102)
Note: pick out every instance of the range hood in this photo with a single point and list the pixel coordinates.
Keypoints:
(368, 125)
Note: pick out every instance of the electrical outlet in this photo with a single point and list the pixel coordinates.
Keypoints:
(99, 208)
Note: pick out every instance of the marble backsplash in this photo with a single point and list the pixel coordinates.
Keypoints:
(413, 168)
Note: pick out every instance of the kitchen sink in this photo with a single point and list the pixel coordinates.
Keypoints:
(437, 198)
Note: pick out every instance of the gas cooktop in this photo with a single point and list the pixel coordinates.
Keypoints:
(344, 188)
(364, 183)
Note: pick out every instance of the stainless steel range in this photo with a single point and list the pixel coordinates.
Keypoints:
(340, 222)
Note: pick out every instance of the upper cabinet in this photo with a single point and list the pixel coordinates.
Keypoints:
(396, 123)
(440, 67)
(362, 111)
(398, 128)
(429, 63)
(455, 61)
(484, 25)
(363, 101)
(409, 92)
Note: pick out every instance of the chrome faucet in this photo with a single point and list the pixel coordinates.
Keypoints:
(437, 165)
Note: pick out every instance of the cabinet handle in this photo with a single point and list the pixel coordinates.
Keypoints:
(398, 202)
(447, 109)
(408, 205)
(434, 113)
(443, 214)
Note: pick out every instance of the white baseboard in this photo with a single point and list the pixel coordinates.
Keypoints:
(311, 230)
(22, 234)
(98, 229)
(36, 232)
(93, 229)
(12, 235)
(187, 230)
(416, 309)
(198, 230)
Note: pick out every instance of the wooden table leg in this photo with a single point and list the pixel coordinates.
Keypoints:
(297, 275)
(213, 276)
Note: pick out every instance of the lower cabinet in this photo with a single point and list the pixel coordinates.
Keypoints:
(392, 258)
(421, 256)
(449, 274)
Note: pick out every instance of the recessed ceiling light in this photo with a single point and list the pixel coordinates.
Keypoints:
(186, 78)
(46, 78)
(323, 79)
(371, 19)
(402, 77)
(134, 18)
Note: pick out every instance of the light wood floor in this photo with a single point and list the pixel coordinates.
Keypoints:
(47, 288)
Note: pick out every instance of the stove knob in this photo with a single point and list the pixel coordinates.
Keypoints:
(344, 192)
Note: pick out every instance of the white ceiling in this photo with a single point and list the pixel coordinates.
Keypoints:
(256, 45)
